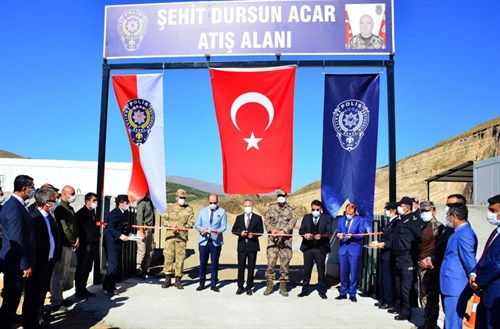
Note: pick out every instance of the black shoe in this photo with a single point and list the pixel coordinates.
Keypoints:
(214, 288)
(240, 291)
(303, 294)
(249, 292)
(81, 296)
(111, 292)
(339, 297)
(377, 304)
(89, 294)
(384, 306)
(400, 317)
(353, 299)
(323, 295)
(393, 311)
(200, 287)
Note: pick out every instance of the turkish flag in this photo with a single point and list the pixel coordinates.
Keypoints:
(254, 110)
(381, 32)
(348, 30)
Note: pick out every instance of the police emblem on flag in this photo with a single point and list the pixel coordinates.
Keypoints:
(350, 120)
(132, 26)
(139, 117)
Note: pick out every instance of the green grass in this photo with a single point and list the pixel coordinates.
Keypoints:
(192, 194)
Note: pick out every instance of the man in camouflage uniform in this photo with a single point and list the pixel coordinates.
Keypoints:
(178, 218)
(280, 219)
(428, 277)
(365, 39)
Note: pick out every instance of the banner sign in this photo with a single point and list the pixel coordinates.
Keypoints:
(254, 109)
(140, 98)
(225, 28)
(350, 126)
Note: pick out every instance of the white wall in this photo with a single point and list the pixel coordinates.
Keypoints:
(82, 175)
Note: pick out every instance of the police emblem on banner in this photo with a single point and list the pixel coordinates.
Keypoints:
(350, 120)
(139, 116)
(132, 26)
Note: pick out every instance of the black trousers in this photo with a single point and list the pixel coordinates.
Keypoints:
(13, 284)
(386, 279)
(243, 257)
(33, 289)
(114, 256)
(405, 281)
(311, 256)
(85, 259)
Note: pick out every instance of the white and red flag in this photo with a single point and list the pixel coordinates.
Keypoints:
(254, 110)
(348, 30)
(140, 99)
(381, 32)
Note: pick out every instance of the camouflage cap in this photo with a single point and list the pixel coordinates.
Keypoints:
(281, 192)
(181, 193)
(427, 205)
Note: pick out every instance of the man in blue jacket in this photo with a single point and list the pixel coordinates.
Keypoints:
(485, 281)
(211, 222)
(349, 231)
(458, 264)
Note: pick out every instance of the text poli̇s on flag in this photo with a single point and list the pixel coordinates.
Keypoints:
(254, 109)
(140, 99)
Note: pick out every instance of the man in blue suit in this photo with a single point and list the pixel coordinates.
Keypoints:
(458, 264)
(17, 253)
(211, 222)
(485, 281)
(348, 229)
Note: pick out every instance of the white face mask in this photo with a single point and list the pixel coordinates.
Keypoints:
(316, 213)
(126, 207)
(53, 207)
(213, 206)
(93, 205)
(248, 210)
(387, 213)
(426, 216)
(349, 217)
(181, 202)
(281, 199)
(2, 199)
(58, 201)
(492, 218)
(413, 209)
(32, 193)
(401, 210)
(72, 199)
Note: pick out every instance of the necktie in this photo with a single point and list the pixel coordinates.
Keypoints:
(315, 220)
(488, 243)
(247, 221)
(349, 222)
(211, 217)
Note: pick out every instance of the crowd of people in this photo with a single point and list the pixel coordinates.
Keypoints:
(420, 259)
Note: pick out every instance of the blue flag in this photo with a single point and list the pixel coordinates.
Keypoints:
(350, 126)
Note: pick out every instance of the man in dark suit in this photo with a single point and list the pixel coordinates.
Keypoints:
(16, 256)
(315, 230)
(458, 265)
(350, 229)
(485, 280)
(248, 227)
(45, 246)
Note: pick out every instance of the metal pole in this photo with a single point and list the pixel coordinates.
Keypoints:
(391, 109)
(100, 163)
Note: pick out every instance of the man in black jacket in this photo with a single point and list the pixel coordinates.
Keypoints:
(315, 229)
(248, 227)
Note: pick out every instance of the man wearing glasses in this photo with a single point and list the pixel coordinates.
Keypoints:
(211, 222)
(178, 218)
(17, 253)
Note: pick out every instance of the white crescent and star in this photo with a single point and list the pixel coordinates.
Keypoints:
(252, 97)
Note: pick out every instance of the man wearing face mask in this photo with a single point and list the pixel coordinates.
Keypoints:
(406, 237)
(89, 238)
(458, 264)
(248, 227)
(386, 263)
(485, 279)
(279, 222)
(349, 231)
(115, 233)
(428, 277)
(68, 232)
(17, 254)
(45, 241)
(178, 218)
(315, 230)
(211, 223)
(145, 247)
